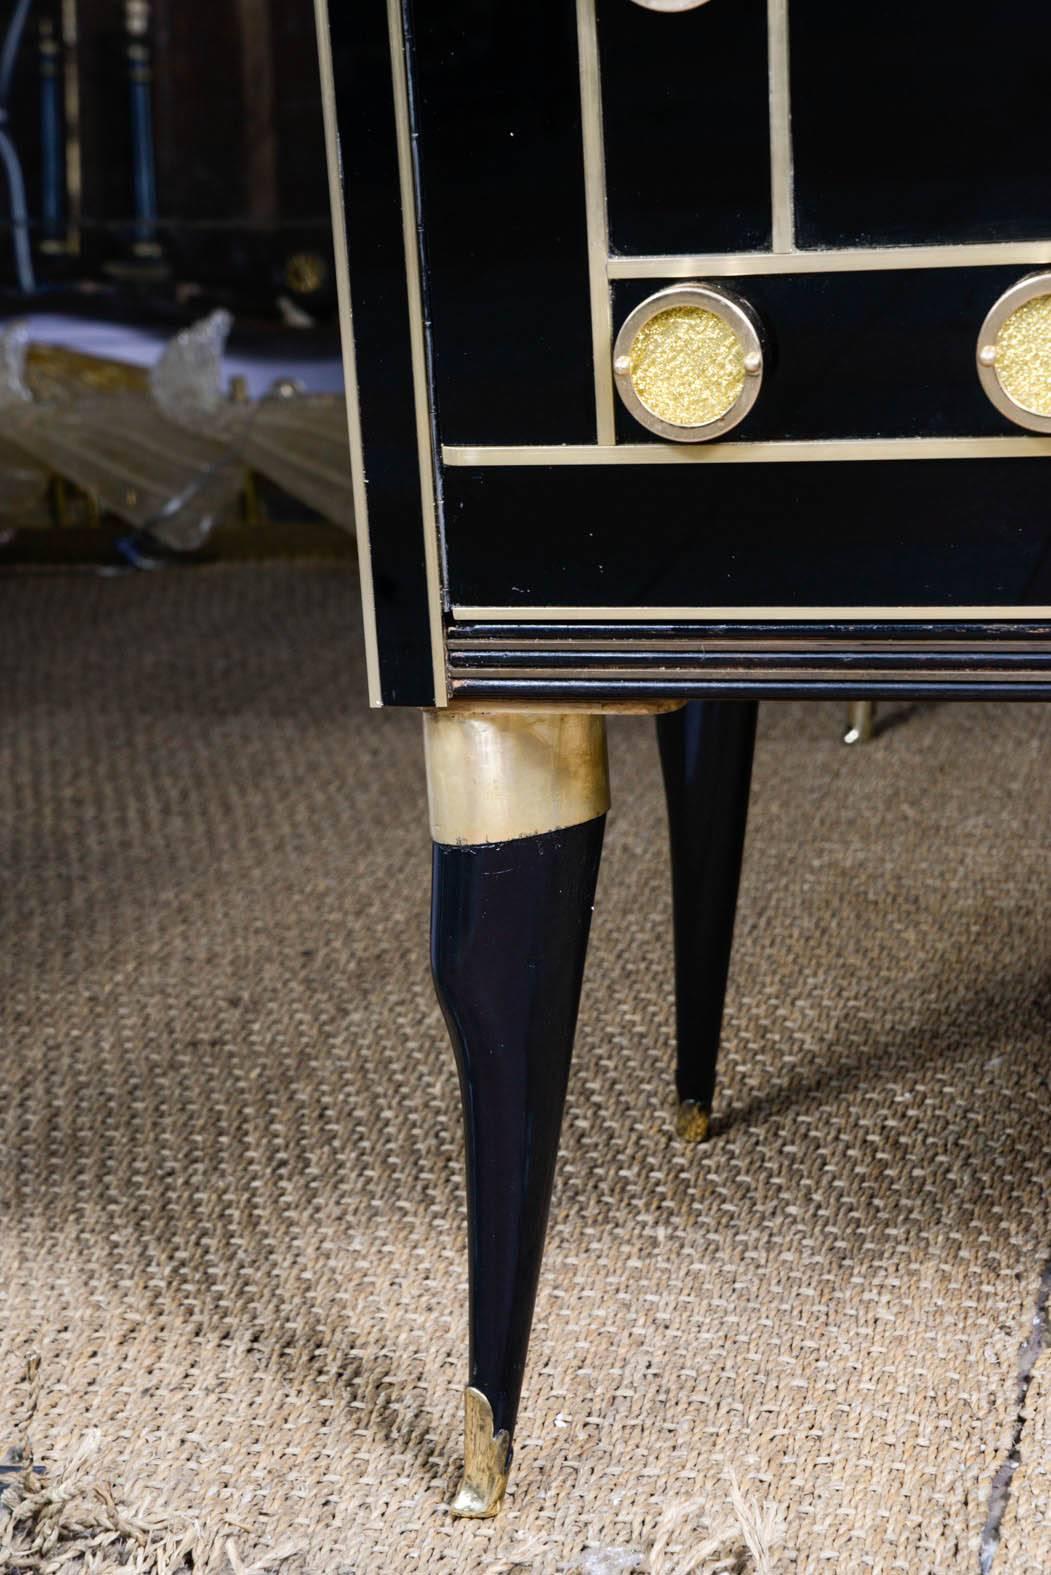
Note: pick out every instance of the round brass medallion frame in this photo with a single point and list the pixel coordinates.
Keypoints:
(733, 311)
(1031, 288)
(670, 5)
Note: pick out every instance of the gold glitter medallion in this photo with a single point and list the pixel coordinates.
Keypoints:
(687, 366)
(1014, 353)
(688, 362)
(1023, 356)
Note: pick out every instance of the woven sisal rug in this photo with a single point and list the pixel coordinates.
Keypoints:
(232, 1268)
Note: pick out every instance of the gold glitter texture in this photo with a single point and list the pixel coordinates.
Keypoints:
(687, 366)
(1023, 356)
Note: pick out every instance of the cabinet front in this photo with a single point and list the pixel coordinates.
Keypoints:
(730, 312)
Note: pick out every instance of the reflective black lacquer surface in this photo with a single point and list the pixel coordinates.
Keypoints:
(901, 533)
(509, 932)
(498, 101)
(920, 122)
(706, 758)
(687, 142)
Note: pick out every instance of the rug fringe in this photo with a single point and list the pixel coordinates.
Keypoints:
(742, 1539)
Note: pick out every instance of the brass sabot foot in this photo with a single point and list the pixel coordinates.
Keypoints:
(861, 722)
(693, 1123)
(486, 1460)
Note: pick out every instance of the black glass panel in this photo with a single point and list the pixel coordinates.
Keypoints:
(915, 533)
(880, 354)
(498, 106)
(361, 58)
(920, 123)
(686, 125)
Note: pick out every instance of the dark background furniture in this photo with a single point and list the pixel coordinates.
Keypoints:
(170, 149)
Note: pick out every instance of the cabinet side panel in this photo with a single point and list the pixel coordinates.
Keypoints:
(372, 214)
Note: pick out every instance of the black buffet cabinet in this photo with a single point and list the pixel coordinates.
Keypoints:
(697, 351)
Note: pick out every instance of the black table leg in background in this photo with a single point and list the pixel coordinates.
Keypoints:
(706, 756)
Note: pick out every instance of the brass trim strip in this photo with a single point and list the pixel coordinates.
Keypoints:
(347, 342)
(783, 452)
(597, 218)
(409, 211)
(655, 614)
(867, 259)
(346, 333)
(782, 181)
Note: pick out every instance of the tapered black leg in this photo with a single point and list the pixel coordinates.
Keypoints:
(706, 755)
(509, 931)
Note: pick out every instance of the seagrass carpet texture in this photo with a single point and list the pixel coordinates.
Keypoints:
(232, 1249)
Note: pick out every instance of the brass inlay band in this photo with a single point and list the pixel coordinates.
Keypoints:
(785, 452)
(346, 334)
(782, 182)
(596, 217)
(486, 1460)
(842, 260)
(500, 775)
(852, 614)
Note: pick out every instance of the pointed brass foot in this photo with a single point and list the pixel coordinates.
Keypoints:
(693, 1123)
(861, 722)
(486, 1460)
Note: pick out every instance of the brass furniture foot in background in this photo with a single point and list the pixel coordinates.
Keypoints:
(861, 722)
(706, 757)
(517, 803)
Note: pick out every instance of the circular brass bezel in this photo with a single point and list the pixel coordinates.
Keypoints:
(670, 5)
(737, 314)
(1031, 288)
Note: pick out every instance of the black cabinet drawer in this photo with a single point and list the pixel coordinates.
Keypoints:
(704, 539)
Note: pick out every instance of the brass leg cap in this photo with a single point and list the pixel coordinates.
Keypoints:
(693, 1122)
(486, 1460)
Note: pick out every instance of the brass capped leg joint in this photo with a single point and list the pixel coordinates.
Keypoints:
(486, 1461)
(693, 1122)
